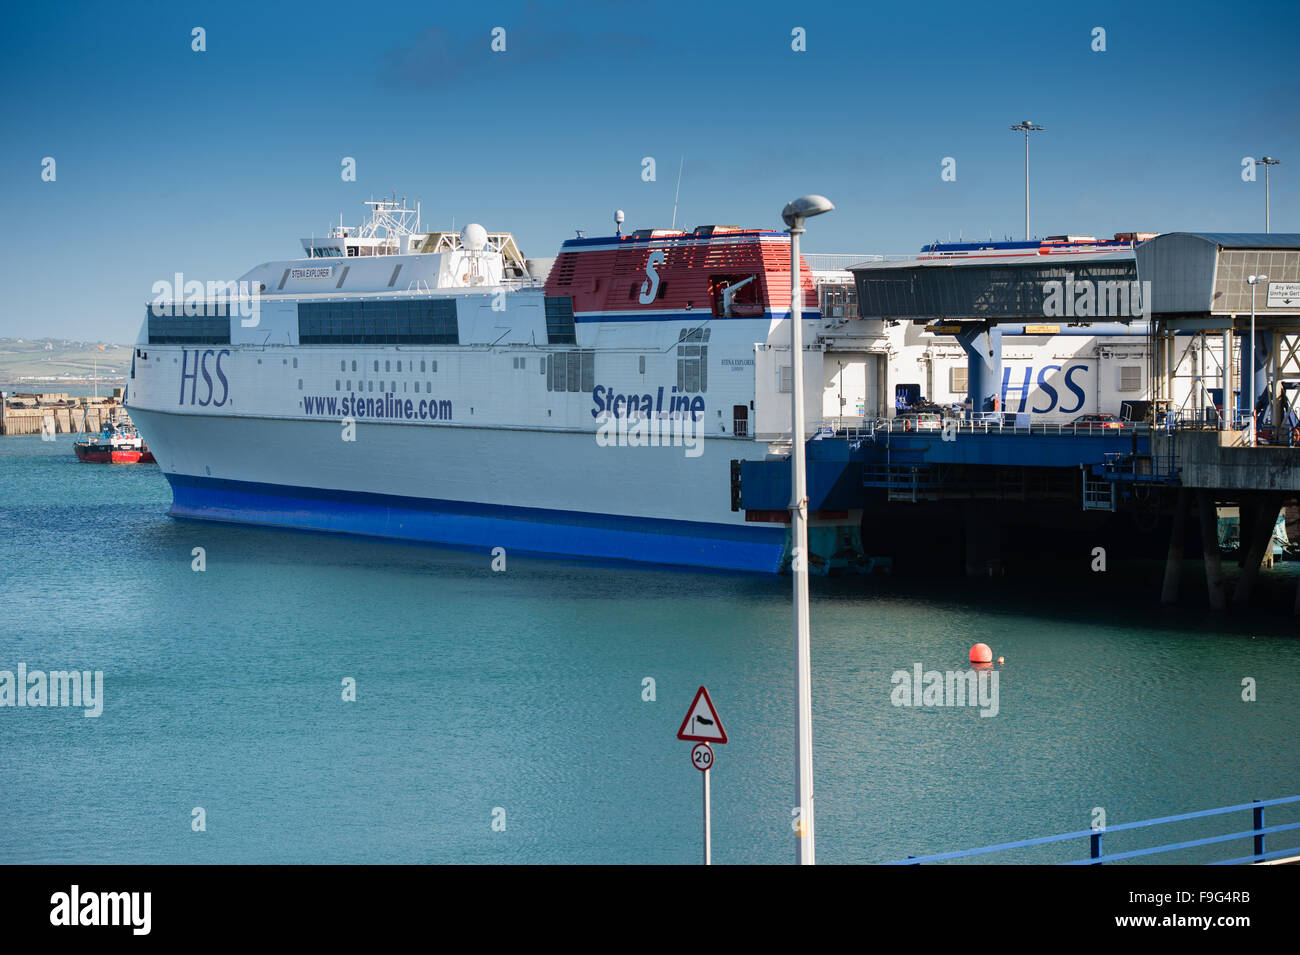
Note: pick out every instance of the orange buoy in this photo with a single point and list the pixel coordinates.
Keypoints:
(1001, 660)
(980, 653)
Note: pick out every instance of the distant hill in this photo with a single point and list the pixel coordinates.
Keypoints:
(53, 360)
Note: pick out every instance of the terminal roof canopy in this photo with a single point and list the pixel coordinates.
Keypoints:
(1203, 274)
(924, 290)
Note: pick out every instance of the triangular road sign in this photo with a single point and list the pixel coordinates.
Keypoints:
(702, 724)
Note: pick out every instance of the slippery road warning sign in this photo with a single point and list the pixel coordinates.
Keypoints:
(702, 724)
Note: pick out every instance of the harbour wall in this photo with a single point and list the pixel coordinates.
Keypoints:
(58, 414)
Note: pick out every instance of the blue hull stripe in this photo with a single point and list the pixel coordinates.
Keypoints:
(534, 530)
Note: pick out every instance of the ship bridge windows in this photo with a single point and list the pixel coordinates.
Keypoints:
(571, 371)
(379, 322)
(559, 320)
(838, 299)
(210, 327)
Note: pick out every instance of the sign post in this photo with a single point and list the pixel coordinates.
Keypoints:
(703, 726)
(702, 759)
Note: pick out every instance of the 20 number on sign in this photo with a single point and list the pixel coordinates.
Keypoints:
(702, 757)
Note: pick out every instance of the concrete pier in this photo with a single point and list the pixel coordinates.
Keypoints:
(57, 413)
(1255, 549)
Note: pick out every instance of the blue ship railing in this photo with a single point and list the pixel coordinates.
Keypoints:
(1258, 833)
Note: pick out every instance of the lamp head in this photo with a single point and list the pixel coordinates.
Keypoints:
(805, 207)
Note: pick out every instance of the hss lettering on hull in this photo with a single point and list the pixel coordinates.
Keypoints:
(201, 368)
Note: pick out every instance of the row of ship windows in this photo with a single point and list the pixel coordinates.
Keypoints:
(353, 322)
(379, 322)
(346, 385)
(388, 365)
(564, 371)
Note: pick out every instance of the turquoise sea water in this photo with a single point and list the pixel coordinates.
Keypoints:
(522, 691)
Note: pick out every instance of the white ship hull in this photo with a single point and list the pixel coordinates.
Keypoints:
(549, 492)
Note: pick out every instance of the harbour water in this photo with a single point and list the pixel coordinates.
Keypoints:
(479, 691)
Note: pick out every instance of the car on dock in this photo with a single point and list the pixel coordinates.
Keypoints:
(1097, 422)
(921, 421)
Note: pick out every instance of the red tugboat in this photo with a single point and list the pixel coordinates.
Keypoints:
(116, 444)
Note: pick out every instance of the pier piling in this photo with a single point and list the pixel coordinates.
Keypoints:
(1177, 544)
(1210, 547)
(1263, 516)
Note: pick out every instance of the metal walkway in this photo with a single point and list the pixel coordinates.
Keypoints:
(1258, 833)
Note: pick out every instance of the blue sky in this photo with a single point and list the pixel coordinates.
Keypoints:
(209, 163)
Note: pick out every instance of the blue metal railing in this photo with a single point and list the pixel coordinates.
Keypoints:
(1258, 833)
(1150, 468)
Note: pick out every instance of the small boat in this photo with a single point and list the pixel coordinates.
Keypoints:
(116, 444)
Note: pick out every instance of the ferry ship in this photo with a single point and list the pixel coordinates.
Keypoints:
(442, 387)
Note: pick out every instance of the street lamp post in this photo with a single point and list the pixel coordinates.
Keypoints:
(1266, 162)
(794, 215)
(1027, 127)
(1252, 281)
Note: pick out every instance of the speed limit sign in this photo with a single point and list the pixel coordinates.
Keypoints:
(702, 757)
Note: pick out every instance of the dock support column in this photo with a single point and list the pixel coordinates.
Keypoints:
(983, 346)
(1263, 517)
(1177, 545)
(1170, 364)
(1226, 423)
(1210, 547)
(1244, 403)
(1275, 391)
(1263, 358)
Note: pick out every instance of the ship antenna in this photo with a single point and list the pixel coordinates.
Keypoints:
(679, 190)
